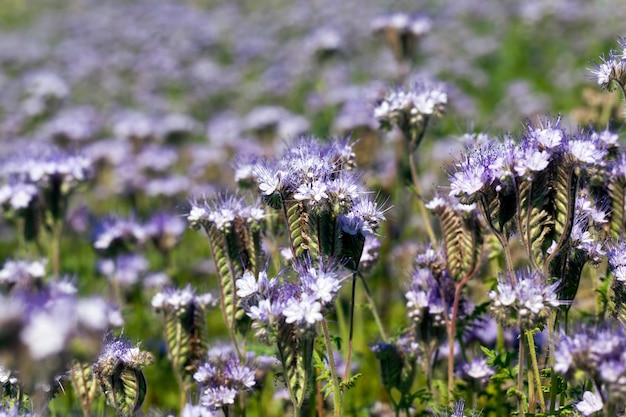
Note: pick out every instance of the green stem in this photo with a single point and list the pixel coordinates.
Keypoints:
(55, 247)
(553, 376)
(333, 371)
(420, 202)
(370, 301)
(520, 376)
(346, 373)
(533, 359)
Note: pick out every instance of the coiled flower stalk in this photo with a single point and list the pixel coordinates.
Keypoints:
(119, 370)
(185, 331)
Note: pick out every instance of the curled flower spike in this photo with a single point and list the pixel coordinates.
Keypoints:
(119, 372)
(185, 328)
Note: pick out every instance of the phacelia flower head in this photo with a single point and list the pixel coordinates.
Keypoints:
(223, 212)
(409, 109)
(617, 260)
(488, 165)
(424, 297)
(590, 404)
(402, 32)
(587, 148)
(524, 300)
(610, 71)
(318, 283)
(164, 230)
(115, 234)
(222, 378)
(181, 301)
(546, 135)
(477, 371)
(21, 271)
(598, 353)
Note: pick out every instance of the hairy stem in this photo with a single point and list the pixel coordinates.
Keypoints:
(533, 359)
(520, 376)
(420, 202)
(333, 371)
(553, 376)
(55, 246)
(370, 301)
(346, 373)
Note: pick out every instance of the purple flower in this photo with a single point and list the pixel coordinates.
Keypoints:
(617, 260)
(196, 411)
(410, 108)
(477, 370)
(16, 271)
(125, 269)
(222, 211)
(115, 233)
(484, 166)
(217, 397)
(530, 160)
(222, 377)
(305, 310)
(591, 403)
(587, 149)
(598, 352)
(120, 351)
(181, 301)
(611, 69)
(164, 230)
(423, 298)
(318, 283)
(247, 285)
(525, 299)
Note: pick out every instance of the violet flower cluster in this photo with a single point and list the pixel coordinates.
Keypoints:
(612, 69)
(524, 299)
(596, 353)
(221, 379)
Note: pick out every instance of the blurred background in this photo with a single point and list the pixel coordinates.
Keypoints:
(168, 98)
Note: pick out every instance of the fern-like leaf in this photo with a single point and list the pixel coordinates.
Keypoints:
(185, 335)
(85, 384)
(226, 276)
(617, 194)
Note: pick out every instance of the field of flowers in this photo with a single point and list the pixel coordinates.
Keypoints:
(312, 208)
